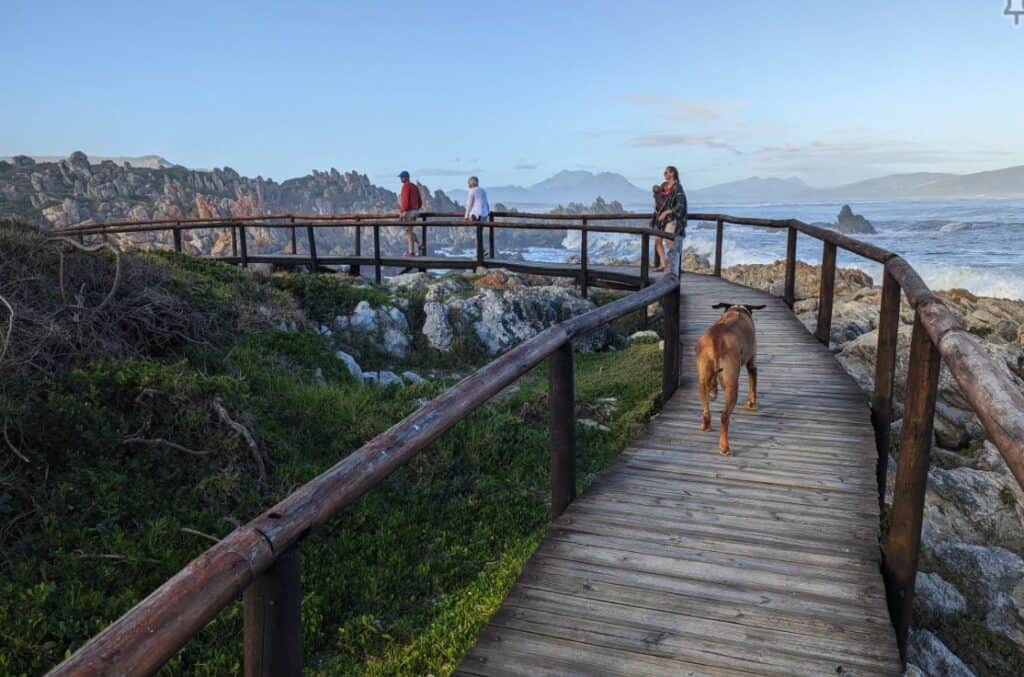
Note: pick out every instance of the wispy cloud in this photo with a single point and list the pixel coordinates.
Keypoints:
(686, 110)
(671, 139)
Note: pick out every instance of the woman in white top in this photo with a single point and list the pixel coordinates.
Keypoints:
(477, 207)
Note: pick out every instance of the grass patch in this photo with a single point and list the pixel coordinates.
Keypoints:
(402, 583)
(984, 651)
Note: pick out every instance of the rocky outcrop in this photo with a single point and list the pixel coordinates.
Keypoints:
(383, 326)
(849, 223)
(500, 316)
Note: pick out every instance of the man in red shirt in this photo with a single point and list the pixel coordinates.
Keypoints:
(409, 205)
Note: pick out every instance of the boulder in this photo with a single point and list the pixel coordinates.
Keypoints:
(935, 598)
(932, 657)
(992, 579)
(350, 363)
(412, 377)
(382, 379)
(384, 326)
(646, 336)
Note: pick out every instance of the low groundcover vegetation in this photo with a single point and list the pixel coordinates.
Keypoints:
(137, 432)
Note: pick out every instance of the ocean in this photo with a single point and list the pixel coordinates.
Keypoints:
(976, 245)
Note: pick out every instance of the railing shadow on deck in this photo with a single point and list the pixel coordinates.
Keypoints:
(261, 560)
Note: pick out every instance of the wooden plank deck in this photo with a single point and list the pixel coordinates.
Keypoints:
(679, 561)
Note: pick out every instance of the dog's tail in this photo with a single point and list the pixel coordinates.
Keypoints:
(708, 372)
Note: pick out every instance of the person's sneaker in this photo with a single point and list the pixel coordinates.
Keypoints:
(408, 254)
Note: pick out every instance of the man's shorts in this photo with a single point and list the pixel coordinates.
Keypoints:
(411, 215)
(673, 227)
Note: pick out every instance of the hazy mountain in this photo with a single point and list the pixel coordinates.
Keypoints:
(143, 161)
(754, 189)
(565, 187)
(999, 183)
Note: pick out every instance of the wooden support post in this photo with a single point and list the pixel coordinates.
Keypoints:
(885, 368)
(295, 242)
(243, 246)
(790, 296)
(562, 406)
(314, 262)
(423, 241)
(825, 293)
(273, 619)
(719, 232)
(177, 237)
(494, 250)
(900, 556)
(377, 275)
(584, 263)
(479, 244)
(670, 369)
(81, 238)
(645, 264)
(234, 241)
(354, 269)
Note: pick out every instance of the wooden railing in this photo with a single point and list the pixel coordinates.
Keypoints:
(261, 558)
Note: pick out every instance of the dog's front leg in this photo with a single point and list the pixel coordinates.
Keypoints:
(751, 385)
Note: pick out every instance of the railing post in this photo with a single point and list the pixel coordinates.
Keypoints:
(273, 619)
(645, 261)
(885, 367)
(670, 369)
(719, 232)
(313, 260)
(354, 269)
(295, 242)
(901, 548)
(490, 236)
(234, 241)
(825, 293)
(177, 237)
(243, 246)
(562, 407)
(479, 244)
(584, 260)
(790, 296)
(423, 240)
(376, 253)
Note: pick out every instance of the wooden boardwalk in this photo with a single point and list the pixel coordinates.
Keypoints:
(679, 561)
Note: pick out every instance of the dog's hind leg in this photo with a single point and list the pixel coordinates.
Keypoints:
(730, 384)
(752, 385)
(708, 381)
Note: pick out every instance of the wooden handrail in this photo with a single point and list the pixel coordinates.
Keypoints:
(150, 633)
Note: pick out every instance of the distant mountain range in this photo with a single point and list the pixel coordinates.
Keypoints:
(563, 188)
(584, 187)
(999, 183)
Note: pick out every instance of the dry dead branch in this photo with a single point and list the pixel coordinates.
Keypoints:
(245, 434)
(158, 441)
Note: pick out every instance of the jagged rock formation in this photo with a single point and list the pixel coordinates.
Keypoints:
(73, 191)
(851, 224)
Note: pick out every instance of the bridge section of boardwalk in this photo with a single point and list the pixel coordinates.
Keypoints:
(680, 561)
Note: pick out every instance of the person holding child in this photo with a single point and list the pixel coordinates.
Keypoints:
(670, 211)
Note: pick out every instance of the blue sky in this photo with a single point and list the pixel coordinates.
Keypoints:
(827, 91)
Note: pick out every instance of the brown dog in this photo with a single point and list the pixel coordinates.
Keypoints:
(725, 347)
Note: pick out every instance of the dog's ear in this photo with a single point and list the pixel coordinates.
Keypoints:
(722, 305)
(750, 307)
